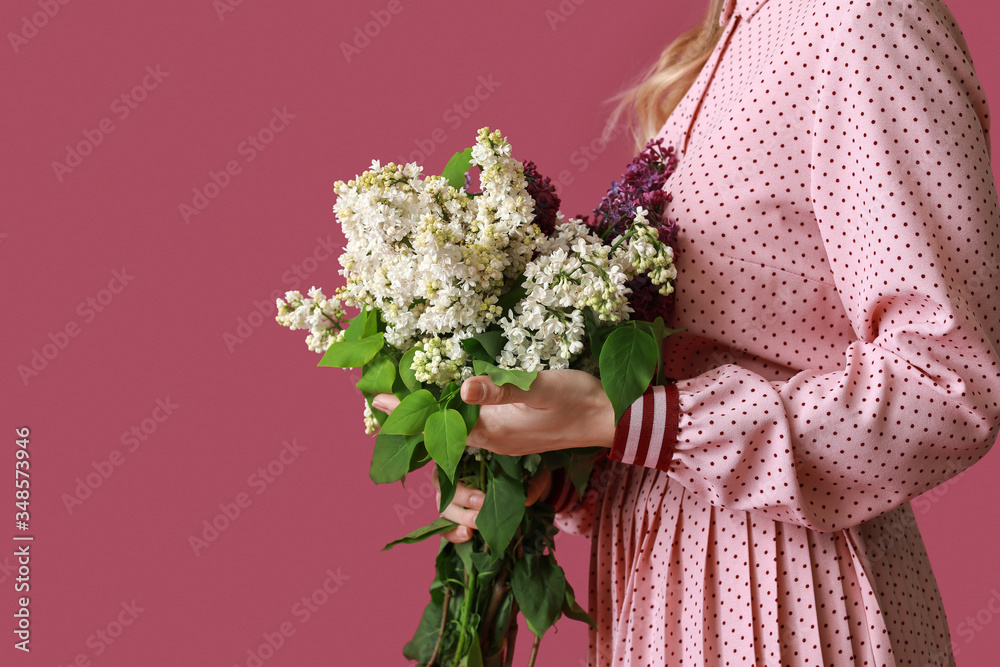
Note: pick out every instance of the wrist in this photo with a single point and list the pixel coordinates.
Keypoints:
(604, 422)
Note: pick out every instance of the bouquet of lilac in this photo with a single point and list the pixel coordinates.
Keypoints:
(452, 283)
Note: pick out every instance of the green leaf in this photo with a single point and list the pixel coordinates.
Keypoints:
(486, 566)
(464, 552)
(502, 376)
(355, 325)
(455, 170)
(485, 346)
(557, 458)
(571, 609)
(628, 364)
(513, 296)
(501, 513)
(510, 464)
(447, 487)
(420, 455)
(452, 391)
(659, 332)
(352, 353)
(595, 335)
(651, 329)
(502, 619)
(448, 566)
(474, 658)
(470, 413)
(406, 373)
(378, 377)
(444, 437)
(411, 414)
(540, 588)
(365, 324)
(421, 647)
(438, 526)
(530, 463)
(391, 458)
(581, 466)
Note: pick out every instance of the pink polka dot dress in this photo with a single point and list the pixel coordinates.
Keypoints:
(839, 287)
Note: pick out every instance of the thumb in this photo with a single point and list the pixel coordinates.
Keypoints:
(481, 390)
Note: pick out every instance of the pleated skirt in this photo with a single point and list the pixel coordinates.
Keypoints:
(677, 582)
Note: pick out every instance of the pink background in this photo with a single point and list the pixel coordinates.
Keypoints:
(179, 327)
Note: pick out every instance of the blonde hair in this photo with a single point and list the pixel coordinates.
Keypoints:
(648, 103)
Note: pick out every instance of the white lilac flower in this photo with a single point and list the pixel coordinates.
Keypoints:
(434, 261)
(323, 317)
(371, 424)
(431, 258)
(439, 360)
(642, 252)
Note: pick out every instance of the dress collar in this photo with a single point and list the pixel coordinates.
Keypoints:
(743, 8)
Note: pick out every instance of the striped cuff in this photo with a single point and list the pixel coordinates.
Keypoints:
(647, 432)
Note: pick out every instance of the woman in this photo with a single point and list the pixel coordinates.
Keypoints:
(839, 288)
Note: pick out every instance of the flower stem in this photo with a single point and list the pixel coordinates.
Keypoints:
(534, 651)
(444, 621)
(497, 596)
(626, 236)
(463, 628)
(511, 635)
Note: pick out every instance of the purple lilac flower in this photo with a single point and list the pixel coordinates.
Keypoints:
(546, 200)
(641, 185)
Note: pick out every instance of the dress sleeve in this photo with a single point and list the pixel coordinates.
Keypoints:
(906, 204)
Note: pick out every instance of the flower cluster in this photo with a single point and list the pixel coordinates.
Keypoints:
(546, 200)
(440, 360)
(574, 270)
(434, 261)
(323, 317)
(641, 189)
(648, 256)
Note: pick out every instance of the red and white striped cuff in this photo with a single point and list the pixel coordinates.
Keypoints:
(647, 432)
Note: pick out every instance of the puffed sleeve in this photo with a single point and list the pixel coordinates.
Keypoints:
(906, 204)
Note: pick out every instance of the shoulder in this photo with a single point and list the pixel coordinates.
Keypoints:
(888, 25)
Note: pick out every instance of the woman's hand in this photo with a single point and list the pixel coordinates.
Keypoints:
(563, 408)
(464, 508)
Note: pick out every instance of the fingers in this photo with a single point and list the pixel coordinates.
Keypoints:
(480, 390)
(385, 402)
(458, 535)
(463, 510)
(466, 497)
(547, 386)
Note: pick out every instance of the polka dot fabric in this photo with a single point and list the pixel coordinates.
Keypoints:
(839, 287)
